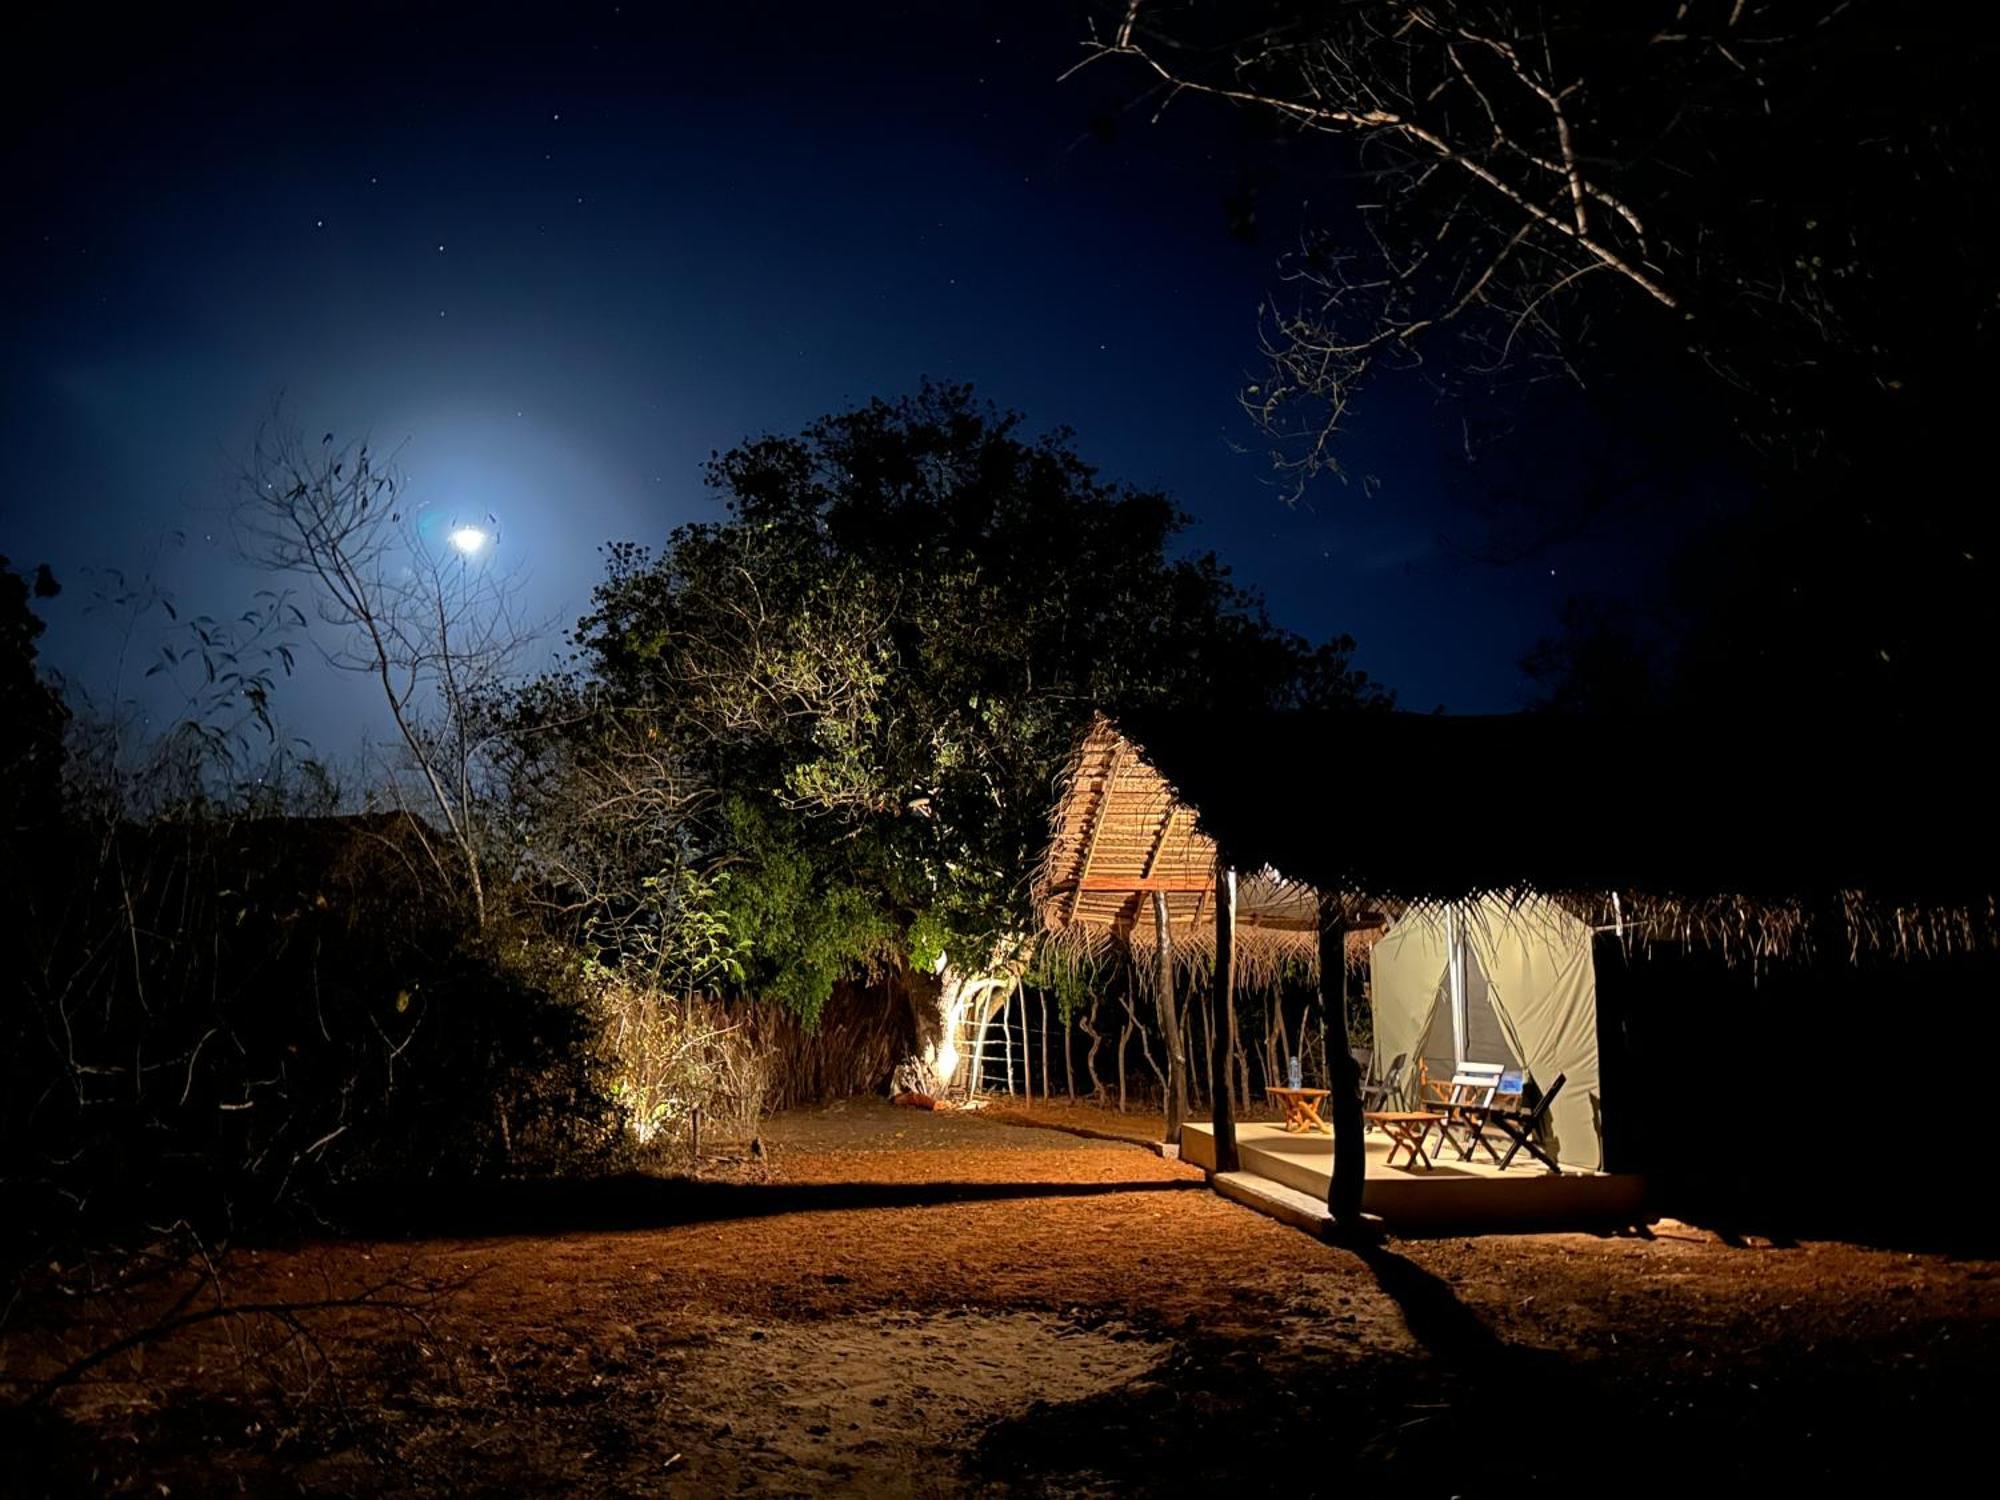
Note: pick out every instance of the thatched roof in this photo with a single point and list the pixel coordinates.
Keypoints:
(1121, 836)
(1762, 842)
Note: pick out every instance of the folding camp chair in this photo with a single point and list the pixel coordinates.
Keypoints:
(1464, 1103)
(1506, 1100)
(1523, 1129)
(1384, 1092)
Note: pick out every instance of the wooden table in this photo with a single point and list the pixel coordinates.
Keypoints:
(1302, 1109)
(1406, 1129)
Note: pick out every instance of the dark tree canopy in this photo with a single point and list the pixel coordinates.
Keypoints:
(32, 714)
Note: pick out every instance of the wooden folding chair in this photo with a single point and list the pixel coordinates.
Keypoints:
(1506, 1100)
(1524, 1129)
(1464, 1102)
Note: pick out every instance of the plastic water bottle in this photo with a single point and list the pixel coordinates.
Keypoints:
(1295, 1073)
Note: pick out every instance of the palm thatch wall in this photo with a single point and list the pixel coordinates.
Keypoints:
(1767, 844)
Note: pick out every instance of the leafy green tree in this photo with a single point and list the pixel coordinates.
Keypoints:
(875, 667)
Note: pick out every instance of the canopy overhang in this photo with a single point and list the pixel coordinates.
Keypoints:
(1762, 843)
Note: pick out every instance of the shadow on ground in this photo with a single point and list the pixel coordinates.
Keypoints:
(460, 1211)
(1297, 1411)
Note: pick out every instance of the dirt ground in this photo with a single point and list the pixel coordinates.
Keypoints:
(905, 1303)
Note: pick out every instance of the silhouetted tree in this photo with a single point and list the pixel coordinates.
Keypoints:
(32, 714)
(1787, 192)
(431, 625)
(1761, 222)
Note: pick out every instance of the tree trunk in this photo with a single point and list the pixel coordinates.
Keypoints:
(1069, 1055)
(1350, 1154)
(1170, 1022)
(1222, 1017)
(945, 1022)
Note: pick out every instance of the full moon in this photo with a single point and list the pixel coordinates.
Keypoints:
(468, 539)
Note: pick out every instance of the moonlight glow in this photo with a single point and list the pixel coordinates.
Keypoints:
(468, 539)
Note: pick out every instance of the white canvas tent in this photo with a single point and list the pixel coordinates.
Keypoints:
(1498, 982)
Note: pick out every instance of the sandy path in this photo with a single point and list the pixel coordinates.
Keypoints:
(921, 1304)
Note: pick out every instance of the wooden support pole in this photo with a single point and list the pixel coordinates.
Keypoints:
(1069, 1052)
(1007, 1035)
(1198, 1018)
(1124, 1040)
(1190, 1013)
(1170, 1022)
(1027, 1057)
(1048, 1090)
(1222, 1018)
(1087, 1019)
(1350, 1153)
(977, 1084)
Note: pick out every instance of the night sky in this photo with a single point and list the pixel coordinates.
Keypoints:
(557, 256)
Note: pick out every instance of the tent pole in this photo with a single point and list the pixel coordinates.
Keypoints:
(1170, 1024)
(1350, 1152)
(1222, 1017)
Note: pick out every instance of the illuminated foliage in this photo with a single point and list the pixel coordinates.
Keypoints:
(872, 669)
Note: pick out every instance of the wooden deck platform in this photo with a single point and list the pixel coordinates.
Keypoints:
(1453, 1196)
